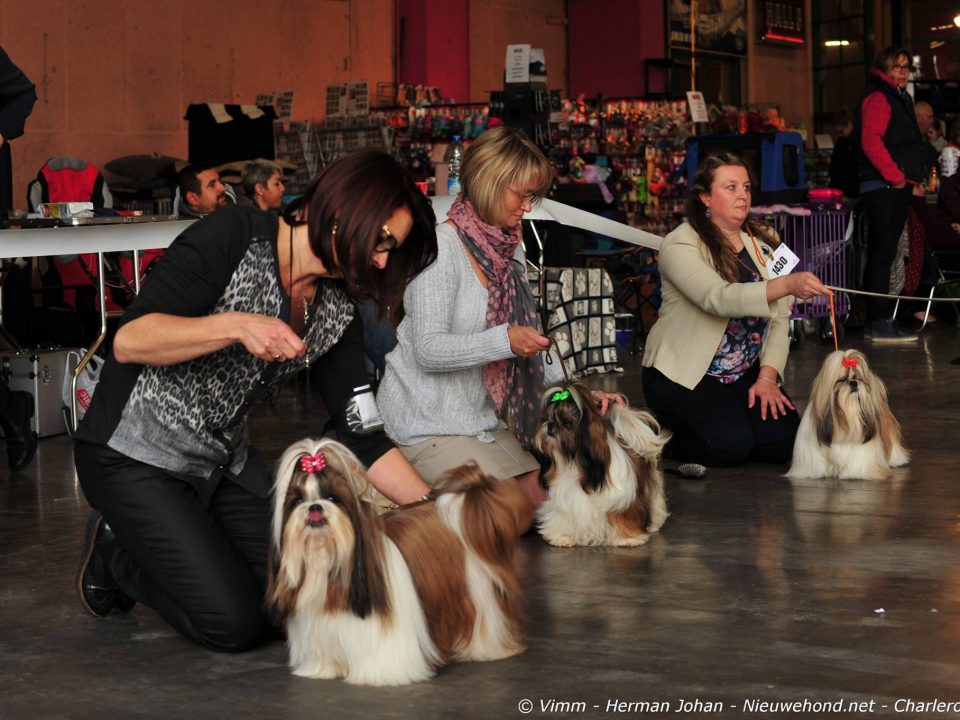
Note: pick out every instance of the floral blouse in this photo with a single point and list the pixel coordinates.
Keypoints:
(740, 345)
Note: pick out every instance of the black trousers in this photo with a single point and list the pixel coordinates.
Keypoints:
(712, 424)
(202, 567)
(886, 211)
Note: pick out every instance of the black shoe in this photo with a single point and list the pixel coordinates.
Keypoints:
(96, 588)
(21, 440)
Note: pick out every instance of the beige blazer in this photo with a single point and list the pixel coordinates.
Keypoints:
(698, 303)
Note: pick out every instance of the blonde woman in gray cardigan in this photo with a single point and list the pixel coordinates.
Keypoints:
(470, 350)
(713, 359)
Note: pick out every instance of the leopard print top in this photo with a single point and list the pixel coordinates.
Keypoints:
(177, 417)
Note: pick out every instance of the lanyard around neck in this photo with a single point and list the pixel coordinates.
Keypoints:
(760, 258)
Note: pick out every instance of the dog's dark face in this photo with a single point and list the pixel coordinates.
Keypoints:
(572, 429)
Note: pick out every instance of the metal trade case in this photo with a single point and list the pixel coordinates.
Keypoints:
(40, 373)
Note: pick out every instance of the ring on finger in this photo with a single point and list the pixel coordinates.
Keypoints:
(277, 357)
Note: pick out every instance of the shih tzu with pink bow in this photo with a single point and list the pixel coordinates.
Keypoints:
(601, 472)
(848, 430)
(386, 600)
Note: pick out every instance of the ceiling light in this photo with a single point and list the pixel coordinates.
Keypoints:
(956, 20)
(836, 43)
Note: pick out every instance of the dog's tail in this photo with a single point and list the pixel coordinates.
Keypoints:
(639, 431)
(489, 515)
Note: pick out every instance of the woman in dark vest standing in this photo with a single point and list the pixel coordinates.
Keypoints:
(892, 168)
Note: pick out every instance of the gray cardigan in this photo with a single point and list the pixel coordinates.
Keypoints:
(433, 383)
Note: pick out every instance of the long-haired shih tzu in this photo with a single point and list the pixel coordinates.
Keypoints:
(386, 600)
(601, 473)
(847, 430)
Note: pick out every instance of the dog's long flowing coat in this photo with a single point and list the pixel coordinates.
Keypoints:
(604, 486)
(387, 600)
(848, 430)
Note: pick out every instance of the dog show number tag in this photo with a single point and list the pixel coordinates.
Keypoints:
(783, 261)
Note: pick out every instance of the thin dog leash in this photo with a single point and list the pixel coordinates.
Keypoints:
(865, 293)
(833, 321)
(549, 360)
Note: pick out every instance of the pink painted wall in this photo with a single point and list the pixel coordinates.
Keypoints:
(494, 25)
(114, 77)
(460, 46)
(608, 43)
(434, 48)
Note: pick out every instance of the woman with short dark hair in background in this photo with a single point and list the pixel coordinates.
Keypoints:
(262, 182)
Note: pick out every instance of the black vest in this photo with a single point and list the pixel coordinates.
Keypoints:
(903, 138)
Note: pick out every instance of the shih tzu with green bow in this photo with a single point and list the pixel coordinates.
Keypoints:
(601, 472)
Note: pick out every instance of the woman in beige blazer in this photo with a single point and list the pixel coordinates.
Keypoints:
(713, 359)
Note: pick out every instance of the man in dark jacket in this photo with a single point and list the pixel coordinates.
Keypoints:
(892, 167)
(17, 96)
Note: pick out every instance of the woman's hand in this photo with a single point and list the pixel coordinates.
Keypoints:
(771, 397)
(525, 341)
(269, 338)
(807, 285)
(604, 400)
(802, 285)
(159, 339)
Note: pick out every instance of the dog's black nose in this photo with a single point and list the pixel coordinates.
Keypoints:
(316, 507)
(853, 386)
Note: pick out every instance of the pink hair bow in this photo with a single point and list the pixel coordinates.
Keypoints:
(850, 362)
(313, 464)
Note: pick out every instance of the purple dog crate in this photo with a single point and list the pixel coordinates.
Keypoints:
(819, 238)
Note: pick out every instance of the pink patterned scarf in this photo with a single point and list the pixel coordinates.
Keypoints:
(513, 384)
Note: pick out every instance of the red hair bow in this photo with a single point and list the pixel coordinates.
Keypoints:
(850, 362)
(313, 464)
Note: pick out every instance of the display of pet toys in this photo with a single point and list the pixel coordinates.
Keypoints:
(656, 184)
(575, 167)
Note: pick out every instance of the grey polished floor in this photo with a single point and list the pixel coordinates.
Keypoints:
(757, 590)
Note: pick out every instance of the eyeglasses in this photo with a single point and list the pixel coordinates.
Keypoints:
(525, 199)
(903, 68)
(388, 243)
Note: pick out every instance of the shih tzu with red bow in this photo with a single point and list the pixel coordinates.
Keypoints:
(847, 430)
(604, 486)
(386, 600)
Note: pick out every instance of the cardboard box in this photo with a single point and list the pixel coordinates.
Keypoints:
(40, 373)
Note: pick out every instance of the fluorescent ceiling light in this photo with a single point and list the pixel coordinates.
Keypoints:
(838, 43)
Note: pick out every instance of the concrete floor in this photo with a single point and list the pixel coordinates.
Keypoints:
(757, 590)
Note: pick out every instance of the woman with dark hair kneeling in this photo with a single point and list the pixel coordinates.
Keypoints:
(714, 356)
(241, 300)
